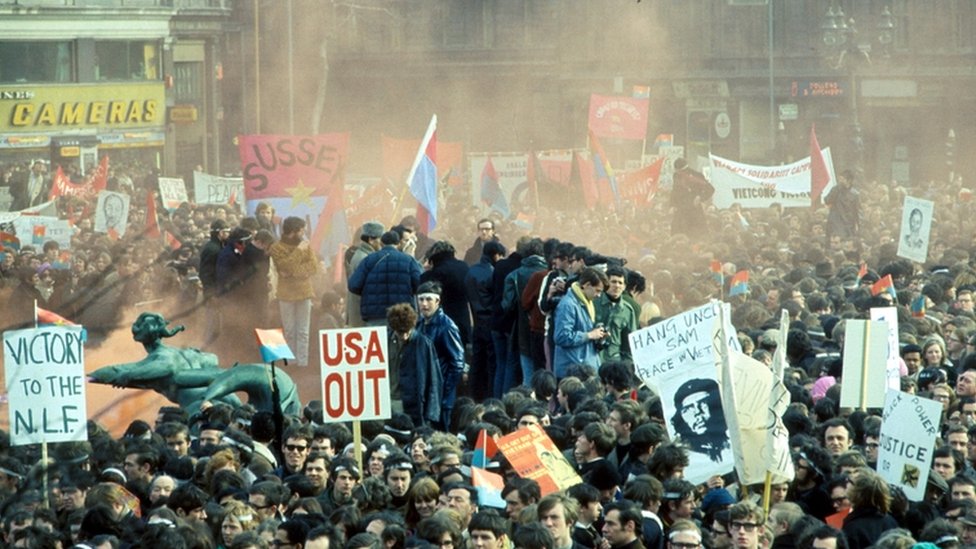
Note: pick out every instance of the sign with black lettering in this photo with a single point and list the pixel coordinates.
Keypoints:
(44, 370)
(909, 426)
(677, 359)
(355, 374)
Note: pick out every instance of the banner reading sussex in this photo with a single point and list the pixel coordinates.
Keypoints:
(753, 186)
(293, 173)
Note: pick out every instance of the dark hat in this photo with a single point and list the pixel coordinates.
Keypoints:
(218, 225)
(969, 519)
(604, 476)
(719, 497)
(372, 229)
(936, 481)
(400, 427)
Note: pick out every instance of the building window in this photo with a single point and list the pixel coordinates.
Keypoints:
(126, 60)
(188, 84)
(36, 62)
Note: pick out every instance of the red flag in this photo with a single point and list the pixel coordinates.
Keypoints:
(99, 179)
(171, 241)
(152, 224)
(91, 186)
(618, 116)
(886, 284)
(819, 176)
(50, 317)
(58, 183)
(641, 185)
(862, 272)
(484, 449)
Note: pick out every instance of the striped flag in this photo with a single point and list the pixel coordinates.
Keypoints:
(423, 178)
(716, 268)
(602, 168)
(739, 284)
(884, 285)
(273, 345)
(918, 306)
(45, 317)
(484, 449)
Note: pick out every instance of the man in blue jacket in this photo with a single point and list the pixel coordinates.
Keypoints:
(386, 277)
(574, 325)
(439, 327)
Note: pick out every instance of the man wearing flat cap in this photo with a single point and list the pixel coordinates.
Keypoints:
(369, 242)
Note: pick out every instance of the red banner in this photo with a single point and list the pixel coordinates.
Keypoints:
(96, 182)
(399, 154)
(618, 117)
(640, 186)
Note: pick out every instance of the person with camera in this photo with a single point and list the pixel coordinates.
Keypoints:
(575, 331)
(617, 316)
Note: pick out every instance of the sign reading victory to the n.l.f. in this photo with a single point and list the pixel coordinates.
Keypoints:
(676, 357)
(355, 374)
(44, 370)
(908, 429)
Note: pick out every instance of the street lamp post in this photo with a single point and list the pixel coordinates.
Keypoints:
(846, 50)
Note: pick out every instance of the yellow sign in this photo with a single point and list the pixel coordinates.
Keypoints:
(70, 151)
(183, 113)
(81, 106)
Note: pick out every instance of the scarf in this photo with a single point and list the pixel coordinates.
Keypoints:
(578, 292)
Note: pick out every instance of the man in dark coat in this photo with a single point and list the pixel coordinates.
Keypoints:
(450, 272)
(690, 194)
(502, 322)
(415, 376)
(219, 232)
(478, 286)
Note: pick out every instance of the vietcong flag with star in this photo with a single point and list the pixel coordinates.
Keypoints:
(295, 174)
(273, 345)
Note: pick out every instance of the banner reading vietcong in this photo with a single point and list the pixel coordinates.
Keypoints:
(676, 358)
(909, 426)
(762, 186)
(213, 189)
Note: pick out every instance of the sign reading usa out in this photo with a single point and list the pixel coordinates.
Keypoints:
(355, 374)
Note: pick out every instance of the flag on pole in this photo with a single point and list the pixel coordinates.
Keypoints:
(152, 223)
(171, 241)
(51, 318)
(602, 168)
(918, 306)
(273, 345)
(489, 486)
(739, 284)
(862, 272)
(716, 268)
(484, 449)
(884, 285)
(423, 178)
(819, 175)
(332, 228)
(491, 191)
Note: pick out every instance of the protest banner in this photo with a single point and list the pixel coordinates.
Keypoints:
(212, 189)
(112, 213)
(355, 374)
(172, 191)
(618, 117)
(865, 360)
(916, 226)
(753, 186)
(533, 455)
(510, 170)
(889, 315)
(670, 154)
(677, 359)
(909, 427)
(58, 230)
(44, 370)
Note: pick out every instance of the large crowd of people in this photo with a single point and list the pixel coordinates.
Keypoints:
(494, 329)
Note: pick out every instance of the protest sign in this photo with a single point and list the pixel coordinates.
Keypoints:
(889, 315)
(619, 117)
(916, 225)
(172, 191)
(355, 374)
(753, 186)
(112, 213)
(909, 427)
(58, 230)
(44, 370)
(212, 189)
(510, 169)
(676, 358)
(533, 455)
(865, 360)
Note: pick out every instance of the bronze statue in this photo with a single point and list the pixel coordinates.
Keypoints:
(190, 377)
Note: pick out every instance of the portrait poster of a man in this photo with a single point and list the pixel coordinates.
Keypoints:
(112, 213)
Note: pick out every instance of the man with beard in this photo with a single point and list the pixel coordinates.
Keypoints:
(698, 419)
